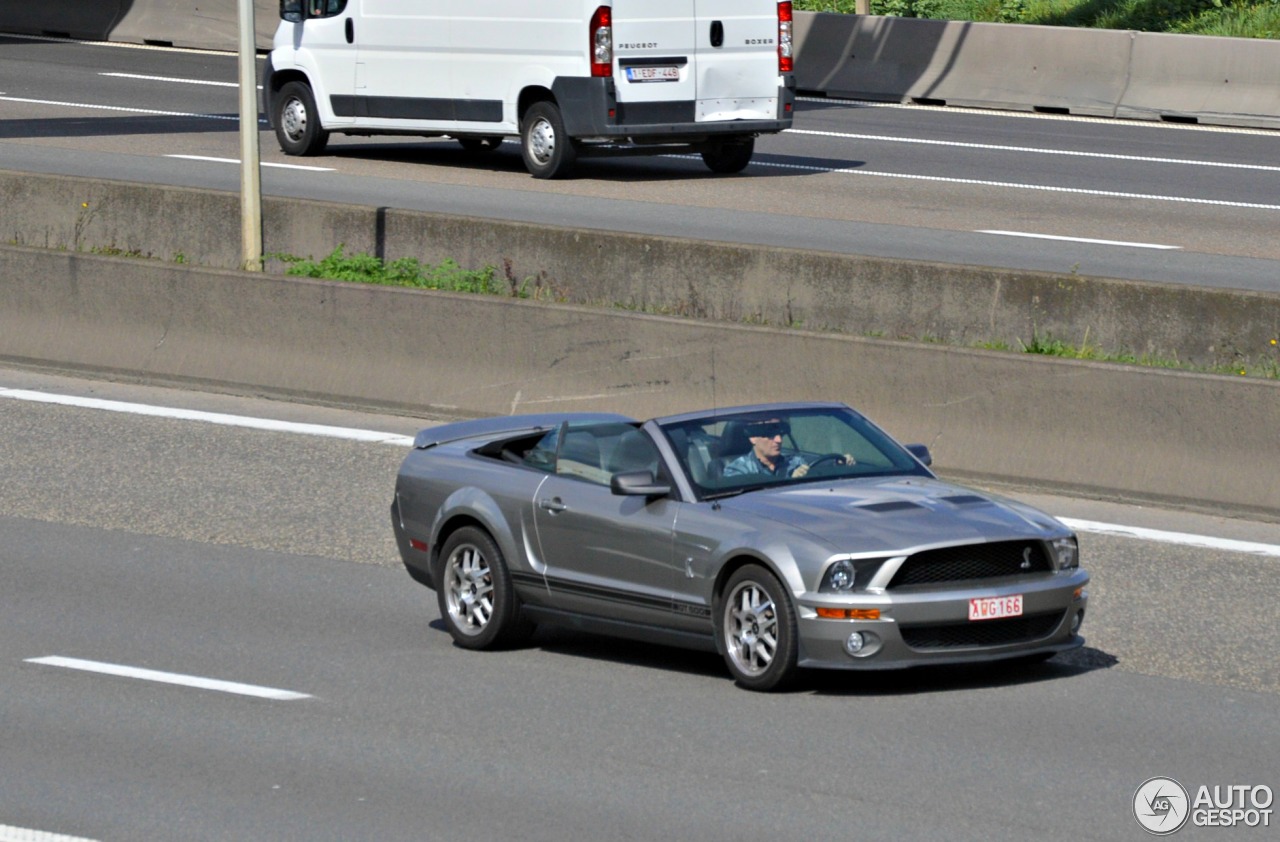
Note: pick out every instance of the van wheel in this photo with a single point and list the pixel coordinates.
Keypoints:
(547, 150)
(479, 144)
(297, 121)
(729, 156)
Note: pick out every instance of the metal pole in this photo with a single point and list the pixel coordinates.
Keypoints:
(250, 177)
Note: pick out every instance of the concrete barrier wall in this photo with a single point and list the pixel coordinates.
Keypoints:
(1105, 430)
(198, 24)
(1221, 81)
(896, 299)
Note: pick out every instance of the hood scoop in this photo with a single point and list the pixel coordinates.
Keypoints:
(889, 506)
(964, 500)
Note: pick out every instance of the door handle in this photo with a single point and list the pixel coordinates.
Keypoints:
(717, 33)
(351, 31)
(553, 506)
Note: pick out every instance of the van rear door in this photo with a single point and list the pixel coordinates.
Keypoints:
(737, 59)
(718, 55)
(654, 42)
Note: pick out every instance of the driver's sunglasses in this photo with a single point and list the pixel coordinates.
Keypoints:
(768, 431)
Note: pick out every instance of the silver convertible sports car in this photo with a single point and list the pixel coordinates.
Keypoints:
(781, 536)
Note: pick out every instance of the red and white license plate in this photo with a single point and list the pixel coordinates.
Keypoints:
(653, 73)
(995, 607)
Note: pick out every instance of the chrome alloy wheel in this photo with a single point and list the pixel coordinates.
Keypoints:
(542, 141)
(468, 586)
(293, 119)
(751, 628)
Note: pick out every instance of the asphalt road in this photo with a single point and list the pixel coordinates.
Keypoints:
(264, 557)
(1133, 200)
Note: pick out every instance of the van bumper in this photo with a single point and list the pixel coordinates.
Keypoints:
(590, 109)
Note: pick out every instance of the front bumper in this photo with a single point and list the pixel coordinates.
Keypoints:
(932, 626)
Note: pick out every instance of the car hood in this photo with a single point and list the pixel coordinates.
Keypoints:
(894, 513)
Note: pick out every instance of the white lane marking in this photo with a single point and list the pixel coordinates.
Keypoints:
(1183, 538)
(1034, 150)
(174, 79)
(236, 161)
(170, 678)
(23, 834)
(123, 109)
(975, 182)
(267, 424)
(1041, 115)
(351, 434)
(1078, 240)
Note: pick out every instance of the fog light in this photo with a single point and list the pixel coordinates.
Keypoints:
(855, 643)
(1077, 621)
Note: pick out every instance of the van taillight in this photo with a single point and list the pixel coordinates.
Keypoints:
(785, 63)
(602, 42)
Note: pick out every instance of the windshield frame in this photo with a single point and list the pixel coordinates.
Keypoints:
(697, 442)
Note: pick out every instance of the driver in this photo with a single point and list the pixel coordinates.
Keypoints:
(765, 456)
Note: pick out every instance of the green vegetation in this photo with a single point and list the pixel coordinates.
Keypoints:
(449, 276)
(410, 272)
(1235, 18)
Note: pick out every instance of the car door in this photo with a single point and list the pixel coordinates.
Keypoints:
(607, 554)
(324, 49)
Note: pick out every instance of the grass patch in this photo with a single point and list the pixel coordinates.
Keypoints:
(411, 272)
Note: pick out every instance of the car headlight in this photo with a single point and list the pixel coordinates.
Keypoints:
(1066, 553)
(848, 575)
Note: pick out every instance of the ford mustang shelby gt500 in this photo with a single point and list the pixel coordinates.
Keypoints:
(780, 535)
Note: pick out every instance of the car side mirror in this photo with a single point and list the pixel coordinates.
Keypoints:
(291, 10)
(637, 484)
(922, 453)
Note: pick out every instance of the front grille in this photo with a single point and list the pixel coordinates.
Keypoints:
(973, 561)
(982, 632)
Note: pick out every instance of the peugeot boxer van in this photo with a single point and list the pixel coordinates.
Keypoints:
(567, 77)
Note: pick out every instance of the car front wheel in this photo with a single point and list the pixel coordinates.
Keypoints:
(297, 121)
(757, 624)
(477, 599)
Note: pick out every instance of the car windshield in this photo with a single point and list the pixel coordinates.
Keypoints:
(729, 453)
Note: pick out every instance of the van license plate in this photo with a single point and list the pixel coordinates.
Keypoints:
(655, 73)
(995, 607)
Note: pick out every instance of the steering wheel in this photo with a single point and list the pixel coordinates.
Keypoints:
(825, 458)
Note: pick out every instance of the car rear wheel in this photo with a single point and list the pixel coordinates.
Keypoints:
(297, 121)
(477, 599)
(729, 156)
(546, 147)
(757, 624)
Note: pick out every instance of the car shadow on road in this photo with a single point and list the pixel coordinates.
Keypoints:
(955, 677)
(911, 681)
(90, 126)
(629, 168)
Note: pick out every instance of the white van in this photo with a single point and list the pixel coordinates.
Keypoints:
(568, 77)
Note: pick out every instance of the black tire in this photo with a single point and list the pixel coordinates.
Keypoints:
(297, 121)
(547, 150)
(477, 600)
(729, 156)
(756, 624)
(476, 145)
